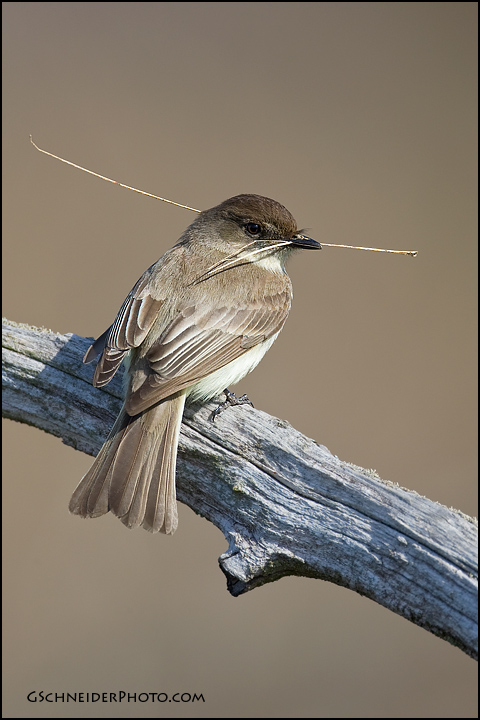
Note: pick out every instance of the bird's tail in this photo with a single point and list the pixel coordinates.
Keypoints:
(134, 473)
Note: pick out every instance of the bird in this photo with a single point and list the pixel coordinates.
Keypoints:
(197, 321)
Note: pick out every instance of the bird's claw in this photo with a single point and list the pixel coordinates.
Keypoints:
(230, 400)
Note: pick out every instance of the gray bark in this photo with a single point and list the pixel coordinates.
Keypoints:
(285, 504)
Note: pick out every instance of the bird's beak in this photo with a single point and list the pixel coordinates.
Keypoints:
(302, 241)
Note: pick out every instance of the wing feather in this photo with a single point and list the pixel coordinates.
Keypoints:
(201, 340)
(129, 329)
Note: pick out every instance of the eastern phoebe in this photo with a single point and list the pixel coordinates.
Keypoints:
(197, 321)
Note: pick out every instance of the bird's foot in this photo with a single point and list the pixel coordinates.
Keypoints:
(230, 400)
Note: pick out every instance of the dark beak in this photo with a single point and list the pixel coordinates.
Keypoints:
(302, 241)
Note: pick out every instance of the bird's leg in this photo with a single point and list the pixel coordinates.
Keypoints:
(230, 400)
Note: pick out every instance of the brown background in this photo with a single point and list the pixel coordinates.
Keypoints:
(361, 119)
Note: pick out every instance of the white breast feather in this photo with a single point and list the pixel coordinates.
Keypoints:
(231, 373)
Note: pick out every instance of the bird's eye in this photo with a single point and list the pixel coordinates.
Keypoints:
(253, 228)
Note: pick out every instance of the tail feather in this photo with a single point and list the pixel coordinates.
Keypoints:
(129, 470)
(134, 473)
(90, 498)
(161, 510)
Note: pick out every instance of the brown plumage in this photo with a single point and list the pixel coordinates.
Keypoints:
(198, 320)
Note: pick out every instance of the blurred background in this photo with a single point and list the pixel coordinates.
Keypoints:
(361, 119)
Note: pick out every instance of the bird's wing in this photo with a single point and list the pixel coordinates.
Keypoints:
(129, 329)
(202, 339)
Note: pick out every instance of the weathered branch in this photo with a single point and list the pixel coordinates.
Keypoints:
(284, 503)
